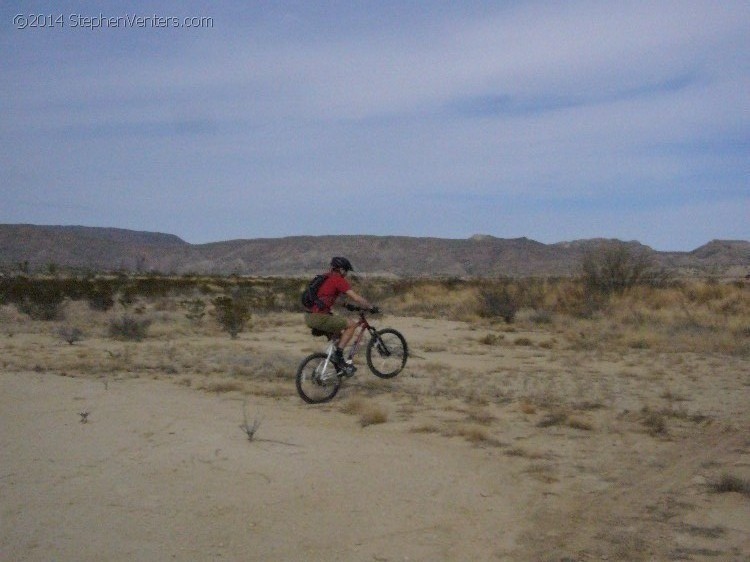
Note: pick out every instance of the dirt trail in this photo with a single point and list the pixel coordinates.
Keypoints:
(655, 509)
(160, 472)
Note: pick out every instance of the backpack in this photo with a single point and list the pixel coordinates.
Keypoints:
(310, 294)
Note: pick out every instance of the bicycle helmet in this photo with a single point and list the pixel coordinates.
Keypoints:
(341, 263)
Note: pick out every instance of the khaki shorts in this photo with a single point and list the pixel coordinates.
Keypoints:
(325, 322)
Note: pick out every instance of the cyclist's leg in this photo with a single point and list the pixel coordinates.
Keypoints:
(347, 333)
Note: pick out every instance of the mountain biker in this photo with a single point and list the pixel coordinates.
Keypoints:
(321, 318)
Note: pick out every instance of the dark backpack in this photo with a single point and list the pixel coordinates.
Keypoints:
(310, 294)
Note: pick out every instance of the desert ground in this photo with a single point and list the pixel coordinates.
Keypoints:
(530, 441)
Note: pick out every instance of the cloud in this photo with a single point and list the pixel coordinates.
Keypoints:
(455, 111)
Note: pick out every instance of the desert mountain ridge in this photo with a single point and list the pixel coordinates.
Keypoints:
(37, 247)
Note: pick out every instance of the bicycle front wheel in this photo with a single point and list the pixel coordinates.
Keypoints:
(387, 353)
(317, 380)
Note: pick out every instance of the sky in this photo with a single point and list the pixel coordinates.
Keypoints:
(213, 121)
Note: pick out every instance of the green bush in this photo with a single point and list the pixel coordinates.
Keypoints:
(42, 302)
(232, 313)
(101, 298)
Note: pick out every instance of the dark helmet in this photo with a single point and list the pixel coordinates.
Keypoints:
(341, 263)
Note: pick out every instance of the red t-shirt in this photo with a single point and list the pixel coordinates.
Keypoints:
(330, 290)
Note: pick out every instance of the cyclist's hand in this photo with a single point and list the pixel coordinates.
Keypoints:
(350, 306)
(375, 310)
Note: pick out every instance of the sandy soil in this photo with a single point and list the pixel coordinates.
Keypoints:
(517, 451)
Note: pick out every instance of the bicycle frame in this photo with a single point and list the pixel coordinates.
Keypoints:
(362, 326)
(317, 370)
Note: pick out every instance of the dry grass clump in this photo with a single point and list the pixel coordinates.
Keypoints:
(728, 483)
(473, 433)
(575, 422)
(527, 407)
(544, 472)
(477, 433)
(526, 454)
(654, 422)
(220, 387)
(438, 298)
(492, 339)
(553, 419)
(481, 416)
(429, 427)
(372, 416)
(369, 412)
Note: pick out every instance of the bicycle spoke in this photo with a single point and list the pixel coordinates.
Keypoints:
(387, 353)
(317, 380)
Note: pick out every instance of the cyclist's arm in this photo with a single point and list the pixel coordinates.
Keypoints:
(357, 298)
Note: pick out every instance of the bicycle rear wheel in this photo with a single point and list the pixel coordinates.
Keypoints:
(387, 353)
(317, 380)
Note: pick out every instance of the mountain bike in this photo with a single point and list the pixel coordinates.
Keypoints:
(319, 377)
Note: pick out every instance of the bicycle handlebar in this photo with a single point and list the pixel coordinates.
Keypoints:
(355, 308)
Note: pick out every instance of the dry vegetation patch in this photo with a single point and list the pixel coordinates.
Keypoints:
(370, 412)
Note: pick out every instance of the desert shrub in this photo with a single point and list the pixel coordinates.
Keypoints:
(41, 310)
(614, 267)
(704, 293)
(70, 334)
(101, 299)
(195, 310)
(263, 298)
(232, 313)
(42, 302)
(155, 286)
(286, 295)
(130, 328)
(541, 316)
(499, 301)
(574, 300)
(503, 298)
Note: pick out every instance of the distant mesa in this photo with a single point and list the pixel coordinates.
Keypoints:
(38, 248)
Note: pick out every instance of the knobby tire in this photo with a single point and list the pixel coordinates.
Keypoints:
(387, 353)
(310, 387)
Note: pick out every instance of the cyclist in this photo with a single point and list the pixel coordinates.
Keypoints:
(320, 317)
